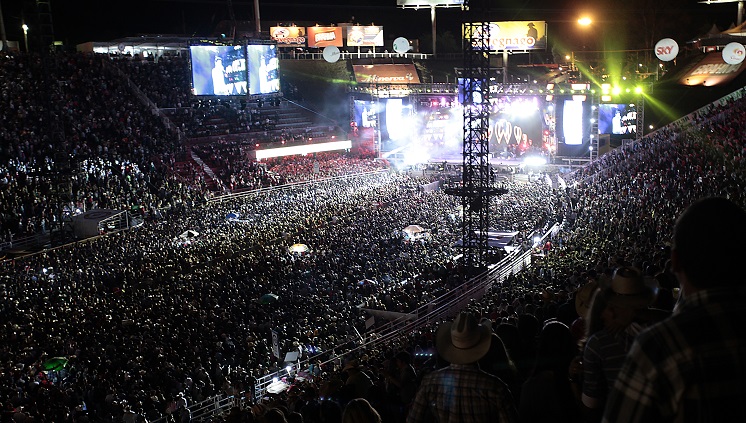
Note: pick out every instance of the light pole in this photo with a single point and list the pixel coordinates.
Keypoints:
(584, 22)
(3, 36)
(25, 35)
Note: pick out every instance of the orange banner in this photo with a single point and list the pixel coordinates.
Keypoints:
(322, 36)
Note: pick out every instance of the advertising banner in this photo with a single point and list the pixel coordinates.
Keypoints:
(428, 3)
(386, 74)
(322, 36)
(288, 36)
(364, 36)
(514, 35)
(712, 70)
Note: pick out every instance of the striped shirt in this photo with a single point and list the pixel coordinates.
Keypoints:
(462, 393)
(690, 367)
(603, 356)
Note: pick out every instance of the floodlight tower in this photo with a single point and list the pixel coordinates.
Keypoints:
(45, 25)
(477, 187)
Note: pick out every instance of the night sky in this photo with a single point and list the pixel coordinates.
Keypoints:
(77, 21)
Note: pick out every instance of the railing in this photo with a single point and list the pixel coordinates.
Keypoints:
(28, 242)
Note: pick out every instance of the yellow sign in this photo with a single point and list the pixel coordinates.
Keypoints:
(514, 35)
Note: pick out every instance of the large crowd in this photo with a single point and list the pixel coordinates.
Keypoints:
(151, 321)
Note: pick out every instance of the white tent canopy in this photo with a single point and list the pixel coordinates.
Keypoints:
(413, 229)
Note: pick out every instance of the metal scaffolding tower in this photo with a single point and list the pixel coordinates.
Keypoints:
(477, 187)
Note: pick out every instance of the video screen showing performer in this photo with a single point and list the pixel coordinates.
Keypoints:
(218, 70)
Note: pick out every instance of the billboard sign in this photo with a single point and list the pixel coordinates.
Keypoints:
(386, 74)
(712, 70)
(322, 36)
(364, 36)
(288, 36)
(428, 3)
(513, 35)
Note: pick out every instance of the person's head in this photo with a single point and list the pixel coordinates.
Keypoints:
(497, 357)
(463, 341)
(295, 417)
(273, 415)
(510, 338)
(630, 288)
(329, 412)
(620, 298)
(556, 347)
(705, 248)
(359, 410)
(403, 359)
(352, 366)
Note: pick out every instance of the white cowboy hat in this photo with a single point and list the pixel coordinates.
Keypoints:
(629, 287)
(464, 340)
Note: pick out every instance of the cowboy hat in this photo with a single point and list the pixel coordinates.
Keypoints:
(629, 287)
(464, 340)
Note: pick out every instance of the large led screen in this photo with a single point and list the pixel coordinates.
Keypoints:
(617, 119)
(393, 120)
(264, 72)
(470, 88)
(573, 117)
(366, 114)
(515, 124)
(218, 70)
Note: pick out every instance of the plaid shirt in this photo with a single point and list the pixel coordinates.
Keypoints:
(689, 368)
(462, 393)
